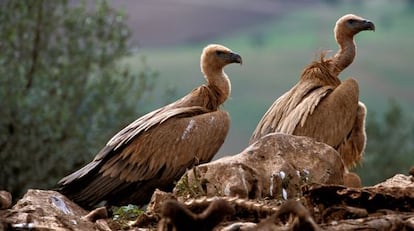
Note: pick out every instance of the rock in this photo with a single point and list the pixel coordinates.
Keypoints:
(177, 215)
(96, 214)
(47, 210)
(352, 180)
(5, 199)
(154, 209)
(399, 180)
(291, 208)
(336, 202)
(240, 226)
(157, 199)
(275, 167)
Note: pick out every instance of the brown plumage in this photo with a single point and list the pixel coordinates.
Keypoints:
(320, 105)
(156, 149)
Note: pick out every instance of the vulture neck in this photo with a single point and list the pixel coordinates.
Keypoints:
(346, 53)
(218, 82)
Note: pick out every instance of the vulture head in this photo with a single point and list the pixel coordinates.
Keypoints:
(214, 57)
(350, 25)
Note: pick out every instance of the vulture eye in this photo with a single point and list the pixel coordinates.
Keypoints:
(351, 21)
(219, 53)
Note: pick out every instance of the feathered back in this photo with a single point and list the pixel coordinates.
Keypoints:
(321, 71)
(294, 107)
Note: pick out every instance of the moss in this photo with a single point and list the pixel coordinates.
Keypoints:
(124, 214)
(192, 189)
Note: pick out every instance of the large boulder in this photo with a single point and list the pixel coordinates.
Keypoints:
(48, 210)
(276, 166)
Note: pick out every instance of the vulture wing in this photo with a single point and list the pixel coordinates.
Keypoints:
(332, 120)
(174, 139)
(121, 138)
(353, 146)
(326, 113)
(178, 143)
(291, 109)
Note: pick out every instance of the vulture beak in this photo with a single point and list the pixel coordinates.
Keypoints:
(368, 25)
(235, 58)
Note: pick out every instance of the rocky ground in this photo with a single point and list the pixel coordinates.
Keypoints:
(281, 182)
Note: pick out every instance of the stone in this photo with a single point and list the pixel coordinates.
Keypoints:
(276, 166)
(5, 199)
(47, 210)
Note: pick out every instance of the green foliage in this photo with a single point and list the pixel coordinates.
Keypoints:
(123, 215)
(62, 93)
(129, 212)
(194, 189)
(390, 147)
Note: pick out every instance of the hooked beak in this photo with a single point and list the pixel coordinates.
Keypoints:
(368, 25)
(236, 58)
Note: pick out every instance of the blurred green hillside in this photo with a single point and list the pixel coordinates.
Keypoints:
(275, 53)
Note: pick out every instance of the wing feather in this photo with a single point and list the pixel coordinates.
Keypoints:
(299, 114)
(122, 138)
(155, 158)
(177, 143)
(333, 118)
(325, 113)
(291, 109)
(149, 120)
(80, 173)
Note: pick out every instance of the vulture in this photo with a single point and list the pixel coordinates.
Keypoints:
(320, 105)
(157, 148)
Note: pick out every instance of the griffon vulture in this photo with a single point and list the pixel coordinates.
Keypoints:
(157, 148)
(322, 107)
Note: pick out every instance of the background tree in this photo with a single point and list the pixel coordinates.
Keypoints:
(62, 91)
(390, 147)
